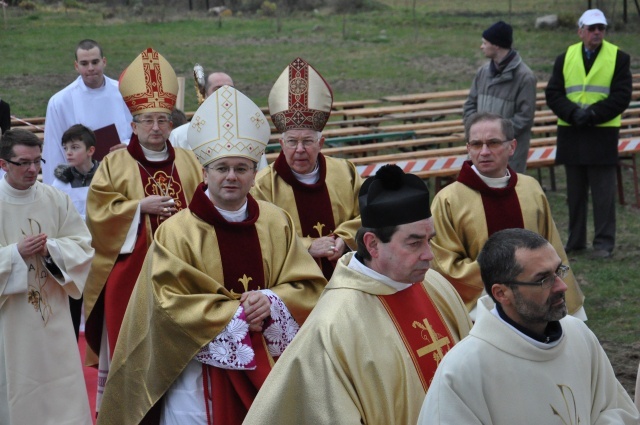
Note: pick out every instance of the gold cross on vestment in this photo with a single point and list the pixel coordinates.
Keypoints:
(244, 280)
(437, 343)
(319, 227)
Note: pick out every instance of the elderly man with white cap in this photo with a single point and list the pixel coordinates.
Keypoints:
(588, 90)
(223, 290)
(320, 193)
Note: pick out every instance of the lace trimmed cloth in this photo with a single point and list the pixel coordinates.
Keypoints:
(232, 348)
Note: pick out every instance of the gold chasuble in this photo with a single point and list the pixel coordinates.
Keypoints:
(361, 359)
(187, 293)
(464, 216)
(328, 207)
(122, 180)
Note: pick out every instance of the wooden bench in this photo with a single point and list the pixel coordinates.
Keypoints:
(374, 138)
(274, 148)
(544, 156)
(333, 132)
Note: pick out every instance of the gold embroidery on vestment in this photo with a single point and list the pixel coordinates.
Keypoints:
(437, 341)
(36, 292)
(318, 228)
(569, 402)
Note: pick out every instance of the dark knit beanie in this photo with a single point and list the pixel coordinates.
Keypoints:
(500, 34)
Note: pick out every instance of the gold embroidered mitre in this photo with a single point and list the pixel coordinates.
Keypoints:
(149, 84)
(300, 98)
(228, 123)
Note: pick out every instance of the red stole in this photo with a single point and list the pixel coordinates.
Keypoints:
(313, 204)
(231, 392)
(421, 327)
(121, 281)
(501, 206)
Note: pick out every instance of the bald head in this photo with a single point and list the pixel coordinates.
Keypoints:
(215, 80)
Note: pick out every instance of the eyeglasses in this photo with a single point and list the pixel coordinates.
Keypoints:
(224, 170)
(546, 282)
(599, 27)
(27, 164)
(162, 122)
(292, 144)
(493, 144)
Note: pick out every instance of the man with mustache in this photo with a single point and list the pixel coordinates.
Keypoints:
(490, 196)
(525, 361)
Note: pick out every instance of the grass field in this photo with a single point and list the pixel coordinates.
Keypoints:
(368, 55)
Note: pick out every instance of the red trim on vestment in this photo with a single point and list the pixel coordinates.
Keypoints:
(312, 203)
(240, 250)
(233, 391)
(113, 301)
(229, 393)
(501, 206)
(421, 327)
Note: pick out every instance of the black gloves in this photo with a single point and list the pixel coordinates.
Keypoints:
(582, 118)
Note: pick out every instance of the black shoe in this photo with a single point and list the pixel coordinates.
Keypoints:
(600, 254)
(574, 250)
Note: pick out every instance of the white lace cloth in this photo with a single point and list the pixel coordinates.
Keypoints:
(232, 348)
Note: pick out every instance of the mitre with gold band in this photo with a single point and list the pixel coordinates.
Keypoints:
(300, 98)
(149, 84)
(228, 123)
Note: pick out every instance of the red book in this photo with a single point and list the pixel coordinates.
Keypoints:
(106, 137)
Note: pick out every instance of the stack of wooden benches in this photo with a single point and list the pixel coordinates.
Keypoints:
(424, 133)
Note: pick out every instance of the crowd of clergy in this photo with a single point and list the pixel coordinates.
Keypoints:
(219, 289)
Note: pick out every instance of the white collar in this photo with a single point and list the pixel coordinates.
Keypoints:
(310, 178)
(155, 155)
(26, 194)
(494, 182)
(356, 265)
(231, 216)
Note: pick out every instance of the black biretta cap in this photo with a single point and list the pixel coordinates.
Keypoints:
(392, 197)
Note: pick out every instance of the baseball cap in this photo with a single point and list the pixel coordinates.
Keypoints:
(592, 17)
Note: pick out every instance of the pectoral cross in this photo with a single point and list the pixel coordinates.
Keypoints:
(437, 344)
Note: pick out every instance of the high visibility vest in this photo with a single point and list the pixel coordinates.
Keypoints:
(586, 89)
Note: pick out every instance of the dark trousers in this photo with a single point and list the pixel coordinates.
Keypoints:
(75, 306)
(601, 179)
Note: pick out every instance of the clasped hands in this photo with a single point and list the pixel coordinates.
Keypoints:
(582, 117)
(331, 247)
(257, 308)
(33, 245)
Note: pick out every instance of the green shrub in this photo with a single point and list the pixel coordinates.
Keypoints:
(268, 8)
(27, 5)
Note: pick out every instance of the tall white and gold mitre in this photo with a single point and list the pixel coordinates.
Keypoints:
(228, 123)
(149, 84)
(300, 98)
